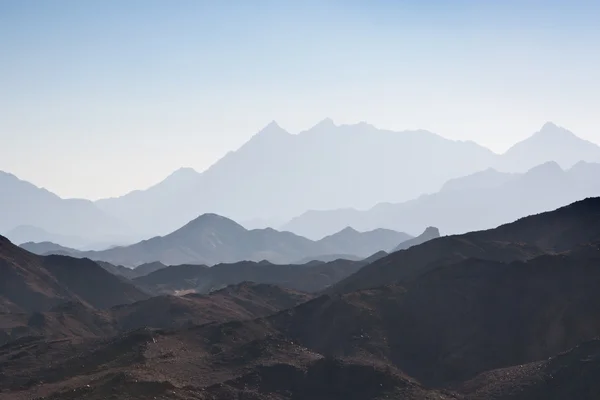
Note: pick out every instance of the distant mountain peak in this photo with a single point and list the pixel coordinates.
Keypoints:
(325, 123)
(272, 129)
(211, 217)
(184, 172)
(549, 126)
(551, 129)
(322, 126)
(549, 167)
(348, 230)
(431, 231)
(211, 221)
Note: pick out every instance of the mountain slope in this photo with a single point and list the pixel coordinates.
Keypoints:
(22, 203)
(47, 248)
(508, 313)
(551, 232)
(550, 143)
(474, 330)
(570, 375)
(211, 239)
(304, 174)
(457, 321)
(76, 320)
(31, 234)
(310, 278)
(429, 234)
(34, 283)
(308, 178)
(364, 244)
(480, 201)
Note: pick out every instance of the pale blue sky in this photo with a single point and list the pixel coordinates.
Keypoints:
(101, 97)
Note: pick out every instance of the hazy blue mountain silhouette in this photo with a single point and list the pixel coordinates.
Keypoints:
(550, 143)
(429, 234)
(48, 248)
(26, 210)
(479, 201)
(351, 241)
(211, 239)
(33, 234)
(277, 175)
(553, 232)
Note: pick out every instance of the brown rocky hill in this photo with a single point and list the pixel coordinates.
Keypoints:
(570, 375)
(421, 340)
(76, 320)
(35, 283)
(311, 277)
(457, 321)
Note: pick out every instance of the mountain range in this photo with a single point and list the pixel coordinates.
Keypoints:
(507, 313)
(307, 175)
(325, 167)
(29, 213)
(38, 283)
(478, 201)
(211, 239)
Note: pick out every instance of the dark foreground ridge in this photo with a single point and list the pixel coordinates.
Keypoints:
(510, 313)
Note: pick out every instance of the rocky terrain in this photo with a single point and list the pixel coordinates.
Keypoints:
(38, 283)
(508, 313)
(311, 277)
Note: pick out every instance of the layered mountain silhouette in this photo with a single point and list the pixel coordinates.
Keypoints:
(29, 213)
(311, 277)
(211, 239)
(306, 176)
(506, 313)
(429, 234)
(546, 233)
(35, 283)
(48, 248)
(237, 302)
(31, 234)
(301, 169)
(479, 201)
(550, 143)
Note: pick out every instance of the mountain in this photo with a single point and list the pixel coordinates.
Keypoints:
(455, 322)
(73, 319)
(35, 283)
(305, 174)
(546, 233)
(508, 313)
(311, 278)
(550, 143)
(350, 241)
(211, 239)
(476, 329)
(480, 201)
(302, 169)
(29, 213)
(429, 234)
(32, 234)
(569, 375)
(307, 177)
(48, 248)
